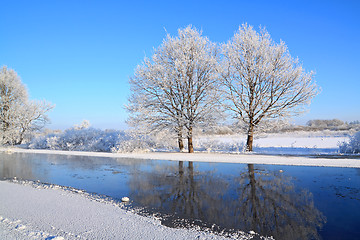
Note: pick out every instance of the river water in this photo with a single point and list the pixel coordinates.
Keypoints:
(286, 202)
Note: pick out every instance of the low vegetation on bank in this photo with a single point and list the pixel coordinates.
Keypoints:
(228, 139)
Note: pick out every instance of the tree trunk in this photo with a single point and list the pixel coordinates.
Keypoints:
(5, 127)
(180, 139)
(190, 145)
(21, 137)
(181, 144)
(190, 142)
(250, 138)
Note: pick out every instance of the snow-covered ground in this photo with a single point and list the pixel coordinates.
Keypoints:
(31, 211)
(299, 143)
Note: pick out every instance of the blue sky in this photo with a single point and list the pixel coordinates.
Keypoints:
(79, 55)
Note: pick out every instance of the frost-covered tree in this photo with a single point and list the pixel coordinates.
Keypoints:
(262, 81)
(176, 89)
(18, 114)
(84, 125)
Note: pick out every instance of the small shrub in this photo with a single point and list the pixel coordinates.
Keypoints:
(353, 146)
(220, 146)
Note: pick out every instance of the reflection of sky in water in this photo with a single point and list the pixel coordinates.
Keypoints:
(251, 197)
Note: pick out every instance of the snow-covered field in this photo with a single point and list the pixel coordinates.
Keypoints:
(28, 212)
(300, 143)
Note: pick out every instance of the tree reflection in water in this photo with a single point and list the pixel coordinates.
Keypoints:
(179, 190)
(266, 202)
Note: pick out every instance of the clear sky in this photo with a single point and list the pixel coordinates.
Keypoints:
(79, 55)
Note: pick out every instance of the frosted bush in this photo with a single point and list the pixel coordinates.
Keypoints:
(353, 146)
(49, 141)
(220, 146)
(146, 143)
(108, 140)
(80, 139)
(85, 138)
(132, 145)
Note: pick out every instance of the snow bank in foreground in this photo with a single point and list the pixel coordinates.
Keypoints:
(32, 211)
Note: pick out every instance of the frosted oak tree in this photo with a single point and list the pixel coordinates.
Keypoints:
(18, 114)
(12, 94)
(176, 89)
(262, 81)
(32, 118)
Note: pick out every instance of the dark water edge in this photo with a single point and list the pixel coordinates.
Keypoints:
(286, 202)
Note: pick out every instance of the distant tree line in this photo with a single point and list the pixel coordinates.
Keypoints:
(332, 124)
(282, 127)
(190, 82)
(325, 123)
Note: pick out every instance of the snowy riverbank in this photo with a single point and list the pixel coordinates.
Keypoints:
(32, 211)
(247, 158)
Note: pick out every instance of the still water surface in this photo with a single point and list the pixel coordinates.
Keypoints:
(286, 202)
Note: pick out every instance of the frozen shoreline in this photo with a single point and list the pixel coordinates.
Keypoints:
(245, 158)
(31, 211)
